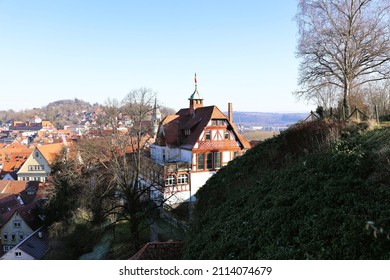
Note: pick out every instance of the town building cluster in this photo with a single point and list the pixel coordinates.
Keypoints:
(189, 146)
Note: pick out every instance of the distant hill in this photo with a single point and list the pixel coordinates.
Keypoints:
(267, 119)
(68, 111)
(319, 190)
(60, 112)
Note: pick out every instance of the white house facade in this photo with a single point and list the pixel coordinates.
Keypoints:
(37, 165)
(193, 145)
(14, 231)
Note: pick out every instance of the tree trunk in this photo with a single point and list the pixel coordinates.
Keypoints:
(347, 108)
(134, 231)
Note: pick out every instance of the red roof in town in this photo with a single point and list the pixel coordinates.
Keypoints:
(160, 251)
(12, 187)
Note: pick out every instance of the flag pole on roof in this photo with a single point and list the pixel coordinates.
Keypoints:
(196, 82)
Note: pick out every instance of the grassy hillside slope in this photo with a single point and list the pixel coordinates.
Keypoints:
(305, 194)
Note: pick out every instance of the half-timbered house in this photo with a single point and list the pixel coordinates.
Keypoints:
(193, 145)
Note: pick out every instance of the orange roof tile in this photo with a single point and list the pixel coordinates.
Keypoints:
(12, 187)
(64, 131)
(16, 156)
(50, 151)
(47, 124)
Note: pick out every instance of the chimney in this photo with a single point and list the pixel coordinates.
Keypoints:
(230, 111)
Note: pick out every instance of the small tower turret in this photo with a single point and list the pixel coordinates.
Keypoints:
(195, 100)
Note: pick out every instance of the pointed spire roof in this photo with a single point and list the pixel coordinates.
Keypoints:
(196, 94)
(156, 111)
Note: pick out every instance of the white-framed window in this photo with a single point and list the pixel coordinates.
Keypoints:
(17, 223)
(6, 248)
(36, 167)
(170, 180)
(182, 179)
(208, 135)
(18, 254)
(227, 135)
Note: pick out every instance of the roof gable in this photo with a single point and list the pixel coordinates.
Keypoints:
(184, 128)
(50, 151)
(27, 212)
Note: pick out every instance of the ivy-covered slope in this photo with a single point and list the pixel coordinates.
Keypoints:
(306, 194)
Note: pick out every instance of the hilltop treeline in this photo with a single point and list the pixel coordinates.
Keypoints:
(61, 112)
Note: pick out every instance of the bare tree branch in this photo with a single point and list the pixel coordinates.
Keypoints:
(347, 42)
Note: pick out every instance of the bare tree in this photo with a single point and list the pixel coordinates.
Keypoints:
(378, 95)
(326, 95)
(124, 182)
(344, 43)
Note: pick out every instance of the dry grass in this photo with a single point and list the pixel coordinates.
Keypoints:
(259, 135)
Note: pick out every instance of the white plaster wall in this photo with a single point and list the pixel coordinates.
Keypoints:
(186, 156)
(198, 179)
(178, 197)
(10, 229)
(171, 154)
(33, 160)
(226, 156)
(10, 255)
(157, 154)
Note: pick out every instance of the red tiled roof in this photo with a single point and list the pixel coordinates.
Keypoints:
(50, 151)
(160, 251)
(13, 203)
(173, 126)
(12, 187)
(13, 157)
(171, 130)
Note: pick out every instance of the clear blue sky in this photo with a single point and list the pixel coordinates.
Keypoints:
(242, 51)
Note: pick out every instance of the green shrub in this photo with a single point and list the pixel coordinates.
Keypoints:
(313, 203)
